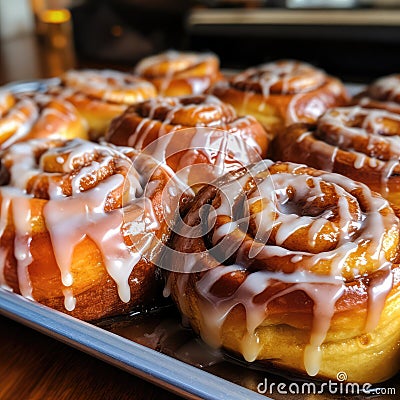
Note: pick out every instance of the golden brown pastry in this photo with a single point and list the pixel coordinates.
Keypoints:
(361, 143)
(281, 93)
(176, 73)
(294, 266)
(35, 115)
(101, 95)
(78, 225)
(191, 130)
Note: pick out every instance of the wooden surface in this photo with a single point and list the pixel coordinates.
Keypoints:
(36, 367)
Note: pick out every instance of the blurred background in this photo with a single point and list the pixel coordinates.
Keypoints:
(357, 40)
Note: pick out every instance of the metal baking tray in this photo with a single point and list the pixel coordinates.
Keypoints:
(174, 375)
(156, 347)
(130, 343)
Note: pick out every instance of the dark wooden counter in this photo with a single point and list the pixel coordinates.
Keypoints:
(36, 367)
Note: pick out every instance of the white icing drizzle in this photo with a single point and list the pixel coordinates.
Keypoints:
(378, 291)
(21, 213)
(225, 152)
(69, 299)
(303, 136)
(323, 290)
(291, 111)
(387, 172)
(360, 160)
(70, 220)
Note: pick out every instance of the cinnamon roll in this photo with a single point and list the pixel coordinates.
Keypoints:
(292, 266)
(191, 130)
(35, 115)
(77, 226)
(358, 142)
(384, 93)
(101, 95)
(176, 73)
(281, 93)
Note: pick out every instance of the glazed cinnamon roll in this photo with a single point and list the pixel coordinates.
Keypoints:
(101, 95)
(176, 73)
(292, 266)
(281, 93)
(35, 115)
(77, 226)
(192, 130)
(358, 142)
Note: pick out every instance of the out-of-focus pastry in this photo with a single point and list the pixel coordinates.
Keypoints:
(281, 93)
(33, 115)
(176, 73)
(101, 95)
(384, 93)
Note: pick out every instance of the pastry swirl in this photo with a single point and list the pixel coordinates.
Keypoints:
(358, 142)
(295, 267)
(281, 93)
(101, 95)
(76, 223)
(34, 115)
(176, 73)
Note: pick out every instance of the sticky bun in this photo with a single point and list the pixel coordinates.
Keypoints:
(292, 266)
(78, 226)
